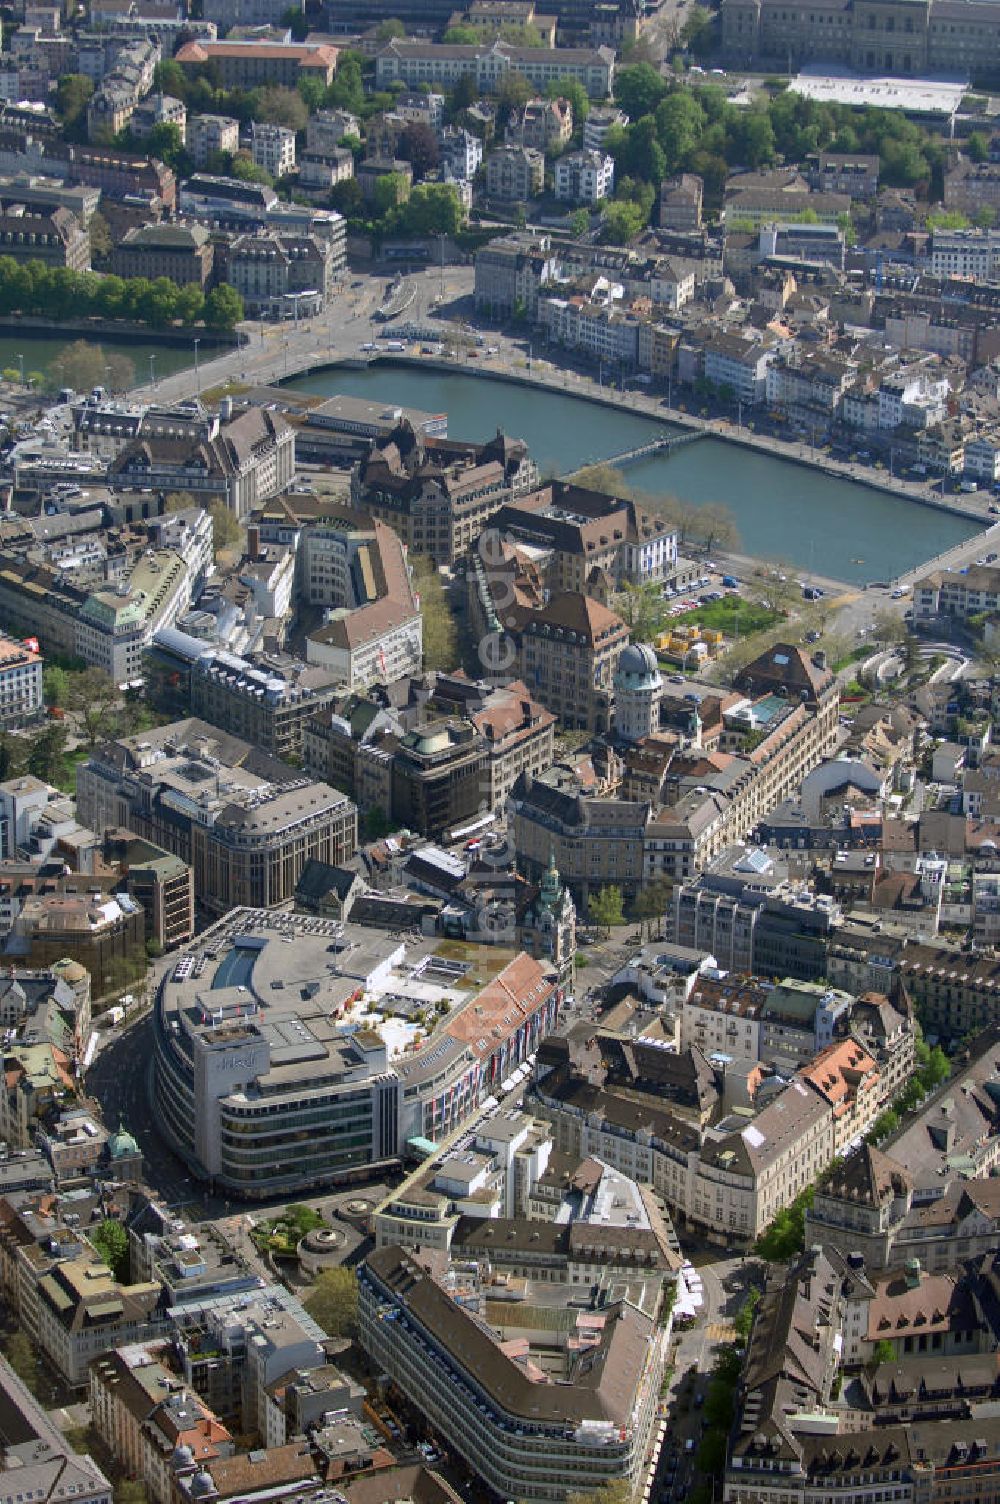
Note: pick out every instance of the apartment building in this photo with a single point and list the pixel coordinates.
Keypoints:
(252, 64)
(543, 124)
(273, 148)
(594, 841)
(21, 697)
(853, 173)
(108, 628)
(584, 177)
(209, 135)
(740, 365)
(971, 254)
(364, 748)
(681, 201)
(284, 276)
(184, 253)
(243, 461)
(37, 1458)
(510, 272)
(514, 173)
(55, 238)
(567, 653)
(159, 882)
(753, 919)
(949, 592)
(243, 821)
(416, 63)
(525, 1439)
(83, 1311)
(143, 1412)
(436, 493)
(158, 109)
(586, 533)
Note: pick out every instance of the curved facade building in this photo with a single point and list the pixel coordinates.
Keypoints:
(271, 1075)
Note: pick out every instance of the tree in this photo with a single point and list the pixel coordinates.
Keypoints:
(280, 106)
(22, 1356)
(431, 209)
(346, 197)
(884, 1351)
(679, 124)
(247, 170)
(73, 94)
(110, 1240)
(347, 90)
(55, 685)
(92, 695)
(389, 192)
(743, 1320)
(377, 823)
(985, 218)
(333, 1301)
(605, 907)
(651, 904)
(387, 30)
(178, 501)
(513, 94)
(313, 91)
(579, 223)
(101, 244)
(573, 90)
(697, 33)
(418, 145)
(641, 154)
(937, 1069)
(716, 525)
(223, 309)
(638, 90)
(888, 627)
(622, 222)
(441, 649)
(47, 754)
(226, 530)
(189, 304)
(297, 21)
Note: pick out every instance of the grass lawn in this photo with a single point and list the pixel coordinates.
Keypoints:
(731, 615)
(72, 760)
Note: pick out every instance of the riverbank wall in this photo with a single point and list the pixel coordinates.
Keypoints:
(121, 331)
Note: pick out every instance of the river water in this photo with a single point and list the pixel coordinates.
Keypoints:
(42, 352)
(838, 528)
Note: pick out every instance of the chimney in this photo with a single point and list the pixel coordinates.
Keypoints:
(253, 543)
(819, 658)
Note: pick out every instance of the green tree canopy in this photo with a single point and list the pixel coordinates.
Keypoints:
(639, 89)
(223, 309)
(333, 1301)
(110, 1240)
(606, 907)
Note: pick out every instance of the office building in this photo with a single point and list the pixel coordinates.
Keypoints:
(243, 821)
(273, 1073)
(524, 1438)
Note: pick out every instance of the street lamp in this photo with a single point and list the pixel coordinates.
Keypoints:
(20, 361)
(152, 370)
(197, 373)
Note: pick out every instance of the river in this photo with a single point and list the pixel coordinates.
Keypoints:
(841, 529)
(42, 352)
